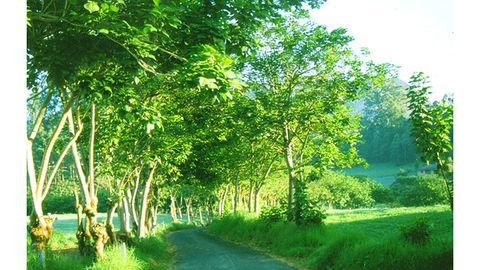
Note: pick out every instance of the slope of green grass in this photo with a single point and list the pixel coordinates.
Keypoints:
(349, 239)
(384, 173)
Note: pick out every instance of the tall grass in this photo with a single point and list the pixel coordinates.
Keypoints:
(115, 259)
(366, 239)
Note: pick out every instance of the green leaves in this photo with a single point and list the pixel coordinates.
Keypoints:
(91, 6)
(432, 123)
(150, 126)
(210, 83)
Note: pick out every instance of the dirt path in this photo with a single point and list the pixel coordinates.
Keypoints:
(198, 250)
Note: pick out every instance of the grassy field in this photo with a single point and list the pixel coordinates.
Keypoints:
(350, 239)
(382, 172)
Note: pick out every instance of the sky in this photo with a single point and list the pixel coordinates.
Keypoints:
(416, 35)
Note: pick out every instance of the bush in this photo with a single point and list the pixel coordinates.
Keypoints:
(312, 213)
(418, 233)
(311, 210)
(340, 191)
(419, 190)
(273, 214)
(380, 193)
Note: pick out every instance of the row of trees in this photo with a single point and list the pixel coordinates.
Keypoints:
(134, 94)
(181, 103)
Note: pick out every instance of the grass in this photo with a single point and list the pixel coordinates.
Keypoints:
(382, 172)
(152, 252)
(349, 239)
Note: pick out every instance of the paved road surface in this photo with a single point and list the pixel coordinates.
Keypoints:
(197, 250)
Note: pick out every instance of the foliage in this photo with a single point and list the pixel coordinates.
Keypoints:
(380, 193)
(432, 123)
(273, 214)
(340, 191)
(433, 128)
(417, 233)
(311, 211)
(419, 190)
(386, 134)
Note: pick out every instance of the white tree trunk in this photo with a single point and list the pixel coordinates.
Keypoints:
(144, 206)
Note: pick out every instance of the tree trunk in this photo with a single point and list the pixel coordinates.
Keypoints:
(250, 198)
(154, 216)
(187, 203)
(291, 179)
(133, 209)
(236, 199)
(207, 209)
(173, 209)
(179, 207)
(124, 219)
(445, 182)
(221, 205)
(124, 216)
(109, 225)
(257, 200)
(40, 236)
(142, 230)
(200, 214)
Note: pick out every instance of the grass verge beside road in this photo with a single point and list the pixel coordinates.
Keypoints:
(153, 252)
(350, 239)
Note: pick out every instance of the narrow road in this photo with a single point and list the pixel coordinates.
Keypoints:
(198, 250)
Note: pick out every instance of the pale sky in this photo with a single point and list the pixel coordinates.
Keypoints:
(416, 35)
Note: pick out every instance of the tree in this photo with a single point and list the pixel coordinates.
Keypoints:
(432, 127)
(303, 77)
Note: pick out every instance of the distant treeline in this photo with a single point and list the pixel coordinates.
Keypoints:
(387, 126)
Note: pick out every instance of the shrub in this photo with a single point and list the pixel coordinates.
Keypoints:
(273, 214)
(418, 233)
(340, 191)
(419, 190)
(312, 213)
(380, 193)
(311, 210)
